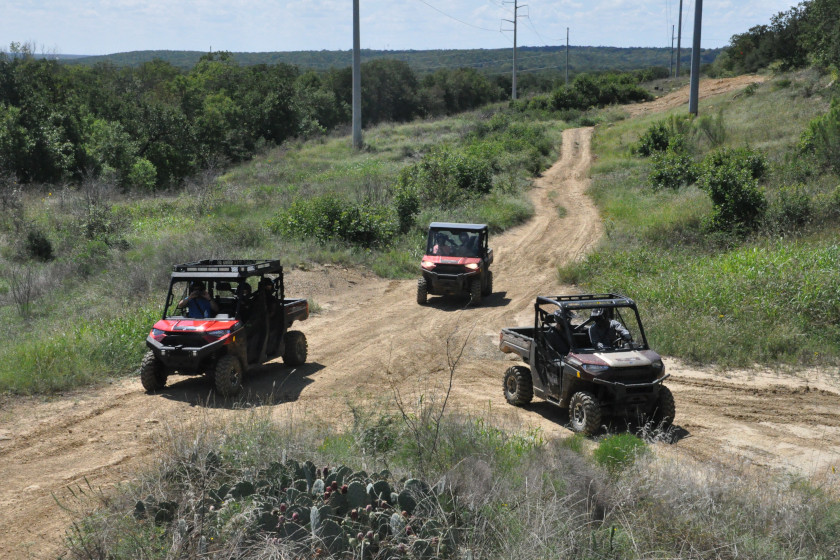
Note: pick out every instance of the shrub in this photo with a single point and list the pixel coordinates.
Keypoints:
(407, 205)
(713, 128)
(446, 177)
(822, 138)
(655, 140)
(730, 177)
(142, 176)
(672, 170)
(791, 208)
(328, 218)
(38, 245)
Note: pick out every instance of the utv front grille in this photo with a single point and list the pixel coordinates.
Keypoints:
(630, 376)
(190, 340)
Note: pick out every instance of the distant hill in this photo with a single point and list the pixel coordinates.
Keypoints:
(491, 61)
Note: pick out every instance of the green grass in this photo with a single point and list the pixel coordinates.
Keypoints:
(768, 298)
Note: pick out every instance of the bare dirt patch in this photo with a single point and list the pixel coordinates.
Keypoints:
(372, 338)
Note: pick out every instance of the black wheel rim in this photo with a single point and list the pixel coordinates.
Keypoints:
(578, 414)
(511, 385)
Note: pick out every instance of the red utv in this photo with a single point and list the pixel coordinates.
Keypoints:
(220, 318)
(457, 261)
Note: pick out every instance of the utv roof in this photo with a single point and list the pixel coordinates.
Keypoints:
(229, 269)
(451, 226)
(587, 301)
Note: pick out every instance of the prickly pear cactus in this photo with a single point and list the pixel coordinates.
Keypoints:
(335, 509)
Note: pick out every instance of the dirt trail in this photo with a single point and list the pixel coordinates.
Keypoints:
(373, 337)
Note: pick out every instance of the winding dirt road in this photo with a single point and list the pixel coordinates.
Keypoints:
(373, 338)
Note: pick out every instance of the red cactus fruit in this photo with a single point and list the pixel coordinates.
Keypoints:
(360, 536)
(283, 507)
(295, 516)
(368, 508)
(405, 514)
(409, 530)
(334, 485)
(344, 489)
(354, 515)
(369, 535)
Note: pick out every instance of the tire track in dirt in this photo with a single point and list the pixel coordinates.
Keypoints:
(372, 339)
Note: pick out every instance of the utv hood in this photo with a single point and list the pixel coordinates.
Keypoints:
(440, 259)
(194, 325)
(629, 358)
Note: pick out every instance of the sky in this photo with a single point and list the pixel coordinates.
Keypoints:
(109, 26)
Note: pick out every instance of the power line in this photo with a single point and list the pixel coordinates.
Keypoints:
(456, 19)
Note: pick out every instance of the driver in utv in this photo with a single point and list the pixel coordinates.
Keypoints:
(605, 332)
(199, 304)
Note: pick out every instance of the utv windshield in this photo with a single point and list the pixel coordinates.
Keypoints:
(606, 329)
(454, 243)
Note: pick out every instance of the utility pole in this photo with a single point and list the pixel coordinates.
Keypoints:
(679, 41)
(357, 80)
(671, 67)
(567, 57)
(516, 7)
(694, 86)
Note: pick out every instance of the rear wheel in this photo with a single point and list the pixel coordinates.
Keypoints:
(519, 388)
(152, 374)
(228, 375)
(584, 413)
(296, 347)
(475, 291)
(665, 408)
(488, 284)
(422, 291)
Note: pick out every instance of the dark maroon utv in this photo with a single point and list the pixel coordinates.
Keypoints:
(588, 353)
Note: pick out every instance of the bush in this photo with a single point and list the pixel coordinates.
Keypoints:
(656, 139)
(791, 209)
(38, 245)
(822, 138)
(143, 175)
(446, 177)
(730, 177)
(672, 170)
(328, 218)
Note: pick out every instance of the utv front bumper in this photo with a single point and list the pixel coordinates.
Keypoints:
(449, 283)
(182, 358)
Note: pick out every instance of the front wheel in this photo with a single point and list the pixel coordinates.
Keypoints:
(519, 388)
(296, 348)
(422, 291)
(475, 291)
(152, 374)
(584, 413)
(488, 284)
(228, 375)
(665, 408)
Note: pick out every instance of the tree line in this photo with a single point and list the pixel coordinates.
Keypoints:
(808, 33)
(150, 126)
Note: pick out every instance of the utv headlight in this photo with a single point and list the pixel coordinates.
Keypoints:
(158, 334)
(658, 365)
(472, 266)
(594, 369)
(218, 334)
(428, 265)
